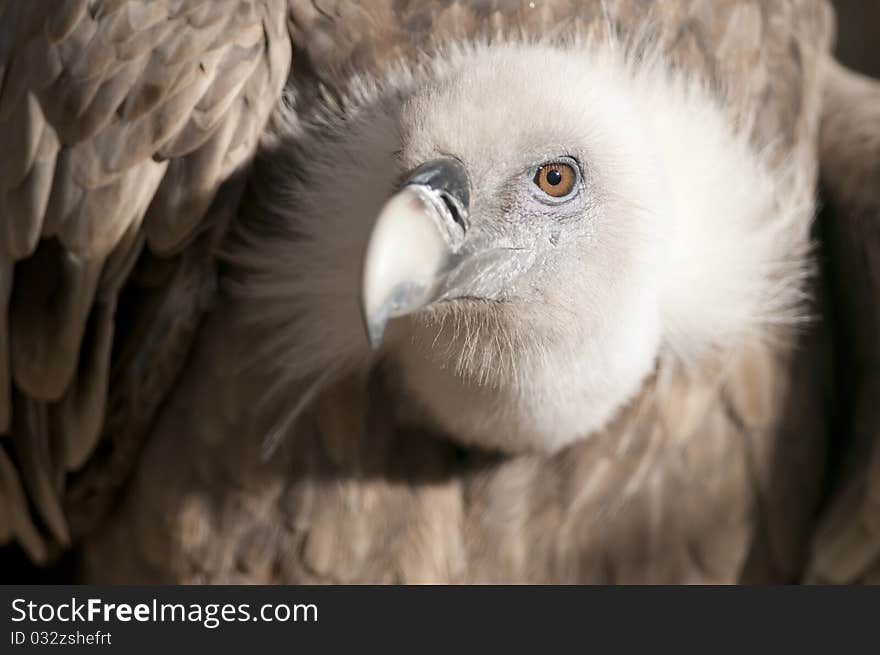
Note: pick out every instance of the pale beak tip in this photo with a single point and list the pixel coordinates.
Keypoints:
(375, 330)
(375, 313)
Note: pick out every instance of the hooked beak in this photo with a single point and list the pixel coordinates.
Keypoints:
(414, 243)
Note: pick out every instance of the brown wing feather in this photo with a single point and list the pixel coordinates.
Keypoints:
(847, 545)
(120, 120)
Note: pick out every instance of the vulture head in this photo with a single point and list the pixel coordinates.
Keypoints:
(523, 233)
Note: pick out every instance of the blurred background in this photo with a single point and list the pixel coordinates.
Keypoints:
(858, 34)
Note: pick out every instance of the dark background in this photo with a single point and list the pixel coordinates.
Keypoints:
(858, 34)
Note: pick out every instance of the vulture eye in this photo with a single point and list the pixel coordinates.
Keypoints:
(556, 179)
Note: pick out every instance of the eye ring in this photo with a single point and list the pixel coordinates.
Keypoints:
(557, 180)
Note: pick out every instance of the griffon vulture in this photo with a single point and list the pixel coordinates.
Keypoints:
(490, 291)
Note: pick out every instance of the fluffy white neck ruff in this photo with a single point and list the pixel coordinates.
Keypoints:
(729, 267)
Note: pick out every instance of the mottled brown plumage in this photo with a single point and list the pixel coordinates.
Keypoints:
(136, 113)
(846, 546)
(120, 121)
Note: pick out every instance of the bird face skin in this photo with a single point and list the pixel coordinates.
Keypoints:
(523, 233)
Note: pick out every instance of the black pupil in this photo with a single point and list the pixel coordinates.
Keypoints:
(554, 177)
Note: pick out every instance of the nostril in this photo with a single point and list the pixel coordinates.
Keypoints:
(455, 210)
